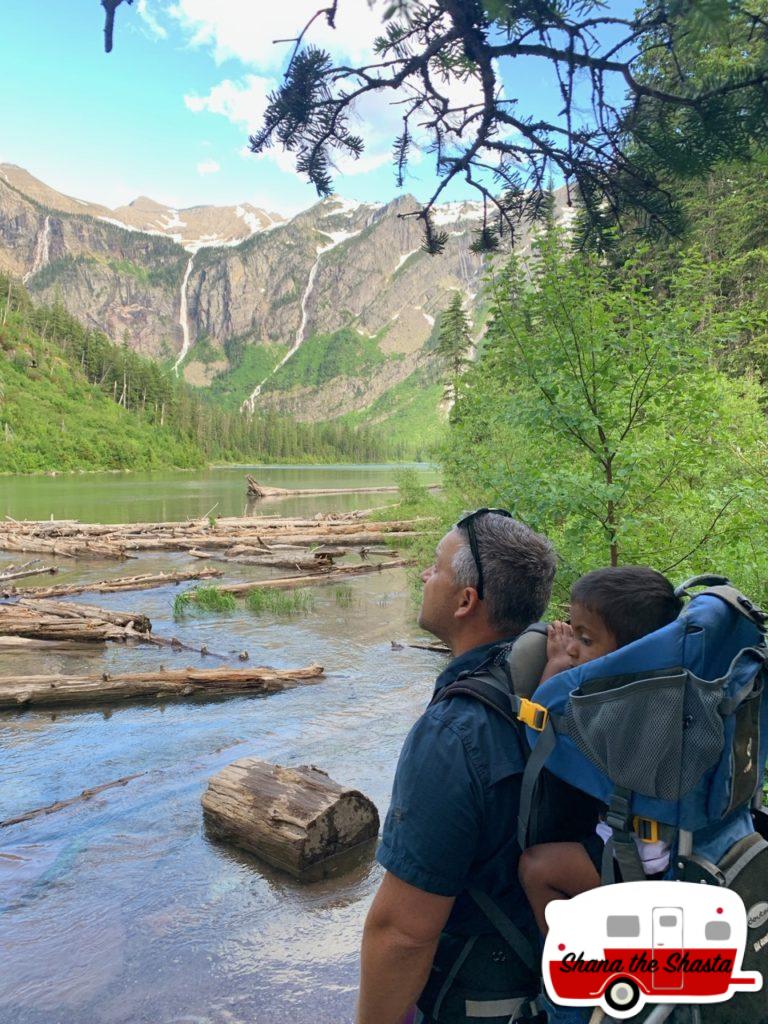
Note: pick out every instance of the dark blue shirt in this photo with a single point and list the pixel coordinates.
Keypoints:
(453, 816)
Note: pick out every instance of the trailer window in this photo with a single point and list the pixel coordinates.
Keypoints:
(668, 921)
(717, 931)
(625, 927)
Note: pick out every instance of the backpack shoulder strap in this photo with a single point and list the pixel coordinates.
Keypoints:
(490, 686)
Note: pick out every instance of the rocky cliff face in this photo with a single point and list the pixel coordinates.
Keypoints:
(239, 299)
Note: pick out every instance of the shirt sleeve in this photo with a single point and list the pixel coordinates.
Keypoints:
(436, 815)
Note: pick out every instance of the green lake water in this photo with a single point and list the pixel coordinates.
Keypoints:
(120, 910)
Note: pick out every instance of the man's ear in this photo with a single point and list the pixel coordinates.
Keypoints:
(469, 603)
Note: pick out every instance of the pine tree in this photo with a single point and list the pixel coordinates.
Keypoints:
(454, 343)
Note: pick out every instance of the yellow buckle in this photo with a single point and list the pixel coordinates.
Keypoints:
(535, 716)
(646, 830)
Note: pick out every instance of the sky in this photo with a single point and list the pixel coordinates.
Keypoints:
(167, 114)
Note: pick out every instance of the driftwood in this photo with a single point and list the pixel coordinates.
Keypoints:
(17, 572)
(60, 805)
(48, 690)
(65, 610)
(257, 490)
(63, 548)
(312, 579)
(146, 582)
(268, 561)
(16, 620)
(293, 818)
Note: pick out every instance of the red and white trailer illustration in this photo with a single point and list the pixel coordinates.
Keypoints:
(624, 946)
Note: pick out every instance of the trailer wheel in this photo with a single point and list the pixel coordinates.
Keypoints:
(622, 994)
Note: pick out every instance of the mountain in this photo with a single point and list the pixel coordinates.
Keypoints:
(333, 313)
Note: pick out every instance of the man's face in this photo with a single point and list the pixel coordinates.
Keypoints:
(441, 595)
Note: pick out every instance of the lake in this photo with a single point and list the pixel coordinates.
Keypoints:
(120, 909)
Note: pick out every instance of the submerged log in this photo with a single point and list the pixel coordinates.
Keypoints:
(23, 644)
(17, 572)
(311, 579)
(162, 684)
(145, 582)
(60, 805)
(293, 818)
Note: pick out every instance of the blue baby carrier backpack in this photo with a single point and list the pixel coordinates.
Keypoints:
(670, 734)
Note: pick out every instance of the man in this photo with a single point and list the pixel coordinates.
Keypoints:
(452, 822)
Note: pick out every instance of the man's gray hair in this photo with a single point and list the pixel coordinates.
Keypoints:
(518, 569)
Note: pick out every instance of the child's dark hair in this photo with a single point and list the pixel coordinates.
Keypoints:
(632, 600)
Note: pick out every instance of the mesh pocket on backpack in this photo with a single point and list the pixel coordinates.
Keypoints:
(655, 735)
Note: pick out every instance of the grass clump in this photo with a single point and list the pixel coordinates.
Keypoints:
(280, 602)
(207, 599)
(343, 596)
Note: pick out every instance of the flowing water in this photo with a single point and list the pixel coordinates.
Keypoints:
(120, 909)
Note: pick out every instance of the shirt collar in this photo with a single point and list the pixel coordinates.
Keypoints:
(469, 661)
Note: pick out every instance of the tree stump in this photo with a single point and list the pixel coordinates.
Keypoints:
(293, 818)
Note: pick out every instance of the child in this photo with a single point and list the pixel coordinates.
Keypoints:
(610, 608)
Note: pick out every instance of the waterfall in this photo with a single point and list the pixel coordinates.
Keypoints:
(42, 249)
(183, 319)
(250, 403)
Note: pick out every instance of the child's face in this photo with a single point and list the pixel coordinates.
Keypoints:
(591, 638)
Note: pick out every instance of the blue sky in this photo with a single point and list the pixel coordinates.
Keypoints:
(168, 112)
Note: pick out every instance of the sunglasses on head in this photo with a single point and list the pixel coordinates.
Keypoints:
(468, 523)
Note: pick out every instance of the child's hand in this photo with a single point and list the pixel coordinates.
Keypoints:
(559, 636)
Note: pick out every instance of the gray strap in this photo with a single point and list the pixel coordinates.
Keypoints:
(457, 963)
(536, 761)
(731, 704)
(621, 847)
(739, 603)
(660, 1014)
(740, 856)
(494, 1007)
(515, 939)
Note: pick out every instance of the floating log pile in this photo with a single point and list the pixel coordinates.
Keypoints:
(113, 586)
(44, 621)
(255, 556)
(293, 818)
(161, 684)
(120, 540)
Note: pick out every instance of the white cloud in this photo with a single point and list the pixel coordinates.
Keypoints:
(149, 19)
(243, 103)
(208, 167)
(246, 29)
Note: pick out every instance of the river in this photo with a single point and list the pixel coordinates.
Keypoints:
(119, 909)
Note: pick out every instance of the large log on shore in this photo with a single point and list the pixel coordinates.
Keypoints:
(293, 818)
(145, 582)
(312, 579)
(162, 684)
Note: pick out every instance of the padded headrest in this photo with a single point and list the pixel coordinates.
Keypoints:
(527, 659)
